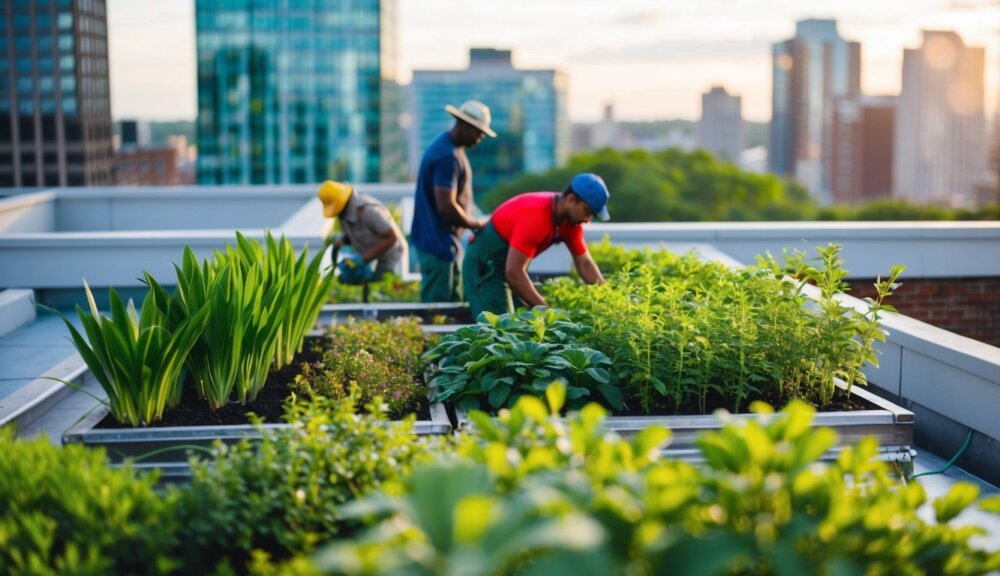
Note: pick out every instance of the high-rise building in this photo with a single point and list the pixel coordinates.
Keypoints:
(55, 100)
(528, 109)
(135, 133)
(940, 136)
(608, 132)
(809, 71)
(861, 160)
(297, 91)
(994, 161)
(720, 129)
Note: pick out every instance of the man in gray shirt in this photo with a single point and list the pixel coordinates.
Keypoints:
(367, 225)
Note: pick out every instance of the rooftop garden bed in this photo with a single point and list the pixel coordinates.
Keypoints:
(527, 492)
(231, 341)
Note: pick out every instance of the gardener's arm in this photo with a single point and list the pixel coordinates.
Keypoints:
(587, 268)
(516, 273)
(452, 211)
(389, 239)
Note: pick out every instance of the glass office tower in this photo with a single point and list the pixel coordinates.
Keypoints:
(55, 98)
(298, 91)
(528, 109)
(810, 71)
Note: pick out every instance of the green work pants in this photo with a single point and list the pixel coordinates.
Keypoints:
(440, 280)
(483, 273)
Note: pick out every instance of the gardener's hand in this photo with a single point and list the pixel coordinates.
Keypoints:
(354, 270)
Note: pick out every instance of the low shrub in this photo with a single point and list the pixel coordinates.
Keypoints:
(535, 496)
(64, 511)
(382, 359)
(283, 495)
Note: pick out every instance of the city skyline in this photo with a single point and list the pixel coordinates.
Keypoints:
(652, 59)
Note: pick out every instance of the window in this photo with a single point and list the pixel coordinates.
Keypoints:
(72, 130)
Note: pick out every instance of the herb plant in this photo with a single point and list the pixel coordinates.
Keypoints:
(686, 335)
(382, 359)
(503, 357)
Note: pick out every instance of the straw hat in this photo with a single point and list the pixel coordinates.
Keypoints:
(475, 113)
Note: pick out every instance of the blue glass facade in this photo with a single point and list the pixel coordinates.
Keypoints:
(528, 109)
(55, 99)
(298, 91)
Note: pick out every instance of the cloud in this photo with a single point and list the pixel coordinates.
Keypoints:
(676, 50)
(973, 4)
(639, 18)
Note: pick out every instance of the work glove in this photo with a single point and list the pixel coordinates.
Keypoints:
(353, 269)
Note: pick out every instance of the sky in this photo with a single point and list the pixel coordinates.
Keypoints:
(650, 59)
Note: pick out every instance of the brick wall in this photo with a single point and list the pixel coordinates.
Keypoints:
(966, 306)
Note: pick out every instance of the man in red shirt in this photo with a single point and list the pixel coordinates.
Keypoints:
(523, 227)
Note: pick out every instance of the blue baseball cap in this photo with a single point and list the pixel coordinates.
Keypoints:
(593, 191)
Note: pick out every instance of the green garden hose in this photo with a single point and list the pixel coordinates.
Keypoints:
(968, 439)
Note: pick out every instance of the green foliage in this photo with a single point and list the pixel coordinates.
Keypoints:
(307, 292)
(399, 342)
(285, 493)
(500, 359)
(895, 210)
(389, 288)
(672, 186)
(676, 186)
(533, 495)
(380, 358)
(251, 297)
(680, 330)
(65, 512)
(138, 359)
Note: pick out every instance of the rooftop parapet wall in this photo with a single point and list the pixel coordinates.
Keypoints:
(31, 213)
(110, 236)
(966, 306)
(202, 215)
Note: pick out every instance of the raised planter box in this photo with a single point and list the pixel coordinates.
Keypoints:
(167, 449)
(890, 424)
(454, 313)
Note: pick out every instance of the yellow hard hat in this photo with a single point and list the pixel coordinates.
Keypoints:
(334, 196)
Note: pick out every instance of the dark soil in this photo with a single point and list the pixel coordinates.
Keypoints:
(841, 402)
(269, 404)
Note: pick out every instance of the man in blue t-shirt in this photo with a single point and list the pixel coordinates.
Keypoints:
(443, 204)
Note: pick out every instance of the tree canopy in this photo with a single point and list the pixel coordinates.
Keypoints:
(677, 186)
